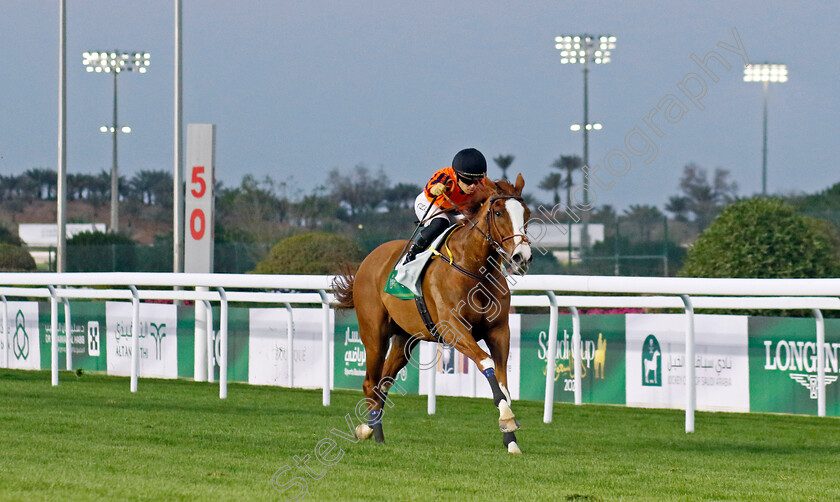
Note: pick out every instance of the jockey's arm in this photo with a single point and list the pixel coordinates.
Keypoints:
(439, 184)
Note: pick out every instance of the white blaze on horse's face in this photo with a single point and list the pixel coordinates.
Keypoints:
(521, 254)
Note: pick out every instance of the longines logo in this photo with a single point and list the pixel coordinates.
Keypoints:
(801, 357)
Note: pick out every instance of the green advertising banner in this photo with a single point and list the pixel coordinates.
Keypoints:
(603, 358)
(783, 365)
(186, 341)
(238, 336)
(349, 353)
(88, 340)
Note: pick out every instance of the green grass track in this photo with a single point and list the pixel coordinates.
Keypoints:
(91, 439)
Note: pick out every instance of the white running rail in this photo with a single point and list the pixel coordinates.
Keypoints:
(685, 293)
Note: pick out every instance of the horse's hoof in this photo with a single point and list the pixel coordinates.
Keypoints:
(363, 431)
(510, 425)
(513, 448)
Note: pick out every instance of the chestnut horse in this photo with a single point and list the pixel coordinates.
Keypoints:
(468, 300)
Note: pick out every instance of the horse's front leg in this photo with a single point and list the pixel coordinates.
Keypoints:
(498, 341)
(465, 343)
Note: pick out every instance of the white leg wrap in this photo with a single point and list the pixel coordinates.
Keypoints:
(487, 363)
(513, 448)
(506, 393)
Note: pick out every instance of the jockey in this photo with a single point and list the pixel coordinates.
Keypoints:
(457, 183)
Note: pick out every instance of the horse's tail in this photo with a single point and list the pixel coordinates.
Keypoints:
(343, 287)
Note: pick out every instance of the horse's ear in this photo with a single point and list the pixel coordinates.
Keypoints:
(520, 184)
(491, 184)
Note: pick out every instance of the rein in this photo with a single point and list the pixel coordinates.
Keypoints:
(497, 244)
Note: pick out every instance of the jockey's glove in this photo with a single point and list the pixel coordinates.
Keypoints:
(437, 189)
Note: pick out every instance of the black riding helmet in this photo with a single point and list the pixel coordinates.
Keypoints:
(469, 164)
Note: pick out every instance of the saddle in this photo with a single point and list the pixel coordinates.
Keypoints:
(406, 280)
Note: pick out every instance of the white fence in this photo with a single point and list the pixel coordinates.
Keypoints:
(685, 293)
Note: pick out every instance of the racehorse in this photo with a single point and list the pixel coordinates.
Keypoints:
(466, 293)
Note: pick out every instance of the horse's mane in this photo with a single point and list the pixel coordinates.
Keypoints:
(483, 192)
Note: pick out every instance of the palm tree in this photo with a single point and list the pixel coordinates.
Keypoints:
(552, 183)
(644, 216)
(606, 214)
(679, 206)
(44, 182)
(504, 161)
(151, 187)
(705, 198)
(100, 188)
(568, 163)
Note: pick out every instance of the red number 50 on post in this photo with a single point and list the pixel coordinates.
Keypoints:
(197, 218)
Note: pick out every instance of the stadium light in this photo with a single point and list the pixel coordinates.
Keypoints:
(585, 49)
(765, 73)
(596, 126)
(115, 62)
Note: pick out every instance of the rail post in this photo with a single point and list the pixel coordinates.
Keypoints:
(550, 359)
(68, 335)
(135, 337)
(820, 362)
(431, 401)
(576, 354)
(5, 328)
(53, 335)
(223, 343)
(690, 380)
(200, 349)
(290, 344)
(325, 346)
(211, 345)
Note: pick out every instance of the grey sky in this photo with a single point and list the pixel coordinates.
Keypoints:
(299, 88)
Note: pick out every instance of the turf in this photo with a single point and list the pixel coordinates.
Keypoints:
(90, 438)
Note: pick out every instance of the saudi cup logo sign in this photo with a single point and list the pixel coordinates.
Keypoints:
(20, 340)
(651, 363)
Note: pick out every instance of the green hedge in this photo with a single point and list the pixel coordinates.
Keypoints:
(15, 259)
(312, 253)
(764, 238)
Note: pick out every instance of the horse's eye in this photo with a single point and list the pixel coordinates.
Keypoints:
(498, 213)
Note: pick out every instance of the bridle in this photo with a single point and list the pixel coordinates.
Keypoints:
(491, 225)
(498, 244)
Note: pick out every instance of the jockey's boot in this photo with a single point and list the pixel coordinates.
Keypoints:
(425, 237)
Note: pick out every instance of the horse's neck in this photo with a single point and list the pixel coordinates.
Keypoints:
(472, 247)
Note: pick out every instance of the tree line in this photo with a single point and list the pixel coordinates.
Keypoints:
(147, 187)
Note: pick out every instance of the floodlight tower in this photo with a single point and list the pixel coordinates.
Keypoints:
(765, 73)
(585, 49)
(115, 62)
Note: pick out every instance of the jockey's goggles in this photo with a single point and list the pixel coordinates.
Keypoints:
(470, 181)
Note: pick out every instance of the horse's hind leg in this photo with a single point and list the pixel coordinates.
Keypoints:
(396, 361)
(374, 330)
